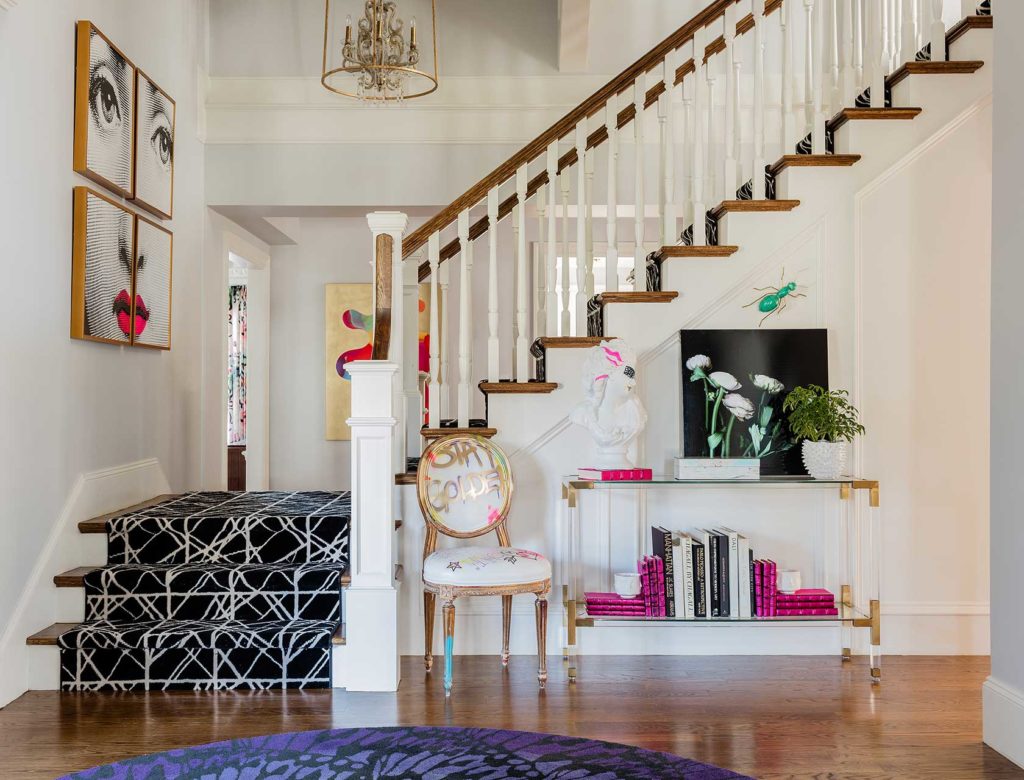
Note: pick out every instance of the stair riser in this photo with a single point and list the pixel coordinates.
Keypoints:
(943, 94)
(973, 45)
(137, 669)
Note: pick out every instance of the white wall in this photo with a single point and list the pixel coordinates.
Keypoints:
(71, 407)
(1004, 691)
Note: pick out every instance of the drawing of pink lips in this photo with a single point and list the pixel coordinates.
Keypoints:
(493, 515)
(615, 358)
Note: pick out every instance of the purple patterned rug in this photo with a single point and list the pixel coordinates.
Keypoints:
(410, 752)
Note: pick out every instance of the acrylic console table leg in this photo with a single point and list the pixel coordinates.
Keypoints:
(573, 595)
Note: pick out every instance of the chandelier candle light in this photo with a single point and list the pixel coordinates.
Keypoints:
(376, 60)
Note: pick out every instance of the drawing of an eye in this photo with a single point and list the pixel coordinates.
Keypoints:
(160, 140)
(103, 99)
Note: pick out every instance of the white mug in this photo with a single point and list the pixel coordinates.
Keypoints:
(789, 581)
(627, 584)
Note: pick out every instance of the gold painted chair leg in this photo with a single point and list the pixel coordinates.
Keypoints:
(506, 627)
(429, 600)
(541, 608)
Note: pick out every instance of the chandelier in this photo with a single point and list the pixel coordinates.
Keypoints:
(375, 59)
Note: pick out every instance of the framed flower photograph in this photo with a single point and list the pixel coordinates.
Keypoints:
(734, 383)
(154, 148)
(151, 297)
(104, 111)
(103, 250)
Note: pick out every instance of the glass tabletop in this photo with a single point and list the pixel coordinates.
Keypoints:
(663, 480)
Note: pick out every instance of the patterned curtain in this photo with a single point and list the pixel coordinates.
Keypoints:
(236, 364)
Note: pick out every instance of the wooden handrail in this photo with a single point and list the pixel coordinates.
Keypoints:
(587, 108)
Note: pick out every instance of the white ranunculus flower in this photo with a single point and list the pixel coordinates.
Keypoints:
(724, 380)
(698, 361)
(740, 407)
(768, 384)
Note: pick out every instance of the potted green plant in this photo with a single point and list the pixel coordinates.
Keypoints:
(826, 421)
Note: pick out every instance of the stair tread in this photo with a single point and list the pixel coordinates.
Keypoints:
(338, 637)
(731, 206)
(637, 297)
(408, 478)
(682, 250)
(98, 525)
(517, 388)
(875, 114)
(927, 67)
(192, 633)
(570, 342)
(73, 578)
(965, 24)
(48, 636)
(814, 161)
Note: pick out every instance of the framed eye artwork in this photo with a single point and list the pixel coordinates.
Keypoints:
(154, 147)
(104, 111)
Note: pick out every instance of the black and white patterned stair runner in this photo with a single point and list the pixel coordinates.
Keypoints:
(214, 591)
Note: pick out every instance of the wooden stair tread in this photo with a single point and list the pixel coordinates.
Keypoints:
(966, 24)
(437, 433)
(74, 578)
(731, 206)
(637, 297)
(98, 525)
(48, 636)
(862, 114)
(408, 478)
(932, 68)
(517, 388)
(338, 638)
(570, 342)
(814, 161)
(668, 252)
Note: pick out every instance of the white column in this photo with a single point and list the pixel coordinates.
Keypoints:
(493, 309)
(730, 174)
(788, 129)
(434, 391)
(937, 36)
(393, 223)
(540, 276)
(522, 313)
(581, 229)
(552, 247)
(639, 256)
(759, 162)
(611, 266)
(566, 329)
(465, 320)
(699, 90)
(369, 661)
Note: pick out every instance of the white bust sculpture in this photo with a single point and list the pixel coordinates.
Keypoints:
(610, 408)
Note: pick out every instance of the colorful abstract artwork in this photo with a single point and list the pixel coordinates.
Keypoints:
(348, 320)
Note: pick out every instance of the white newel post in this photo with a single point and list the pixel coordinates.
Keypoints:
(393, 223)
(369, 661)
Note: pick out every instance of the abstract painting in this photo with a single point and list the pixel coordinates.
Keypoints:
(103, 249)
(151, 301)
(104, 111)
(154, 147)
(734, 382)
(348, 318)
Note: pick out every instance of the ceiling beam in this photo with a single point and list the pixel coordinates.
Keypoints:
(573, 36)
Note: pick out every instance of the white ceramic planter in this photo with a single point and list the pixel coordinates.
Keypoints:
(825, 459)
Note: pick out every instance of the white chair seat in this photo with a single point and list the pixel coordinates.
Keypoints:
(485, 567)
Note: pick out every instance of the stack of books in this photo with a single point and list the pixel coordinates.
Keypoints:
(616, 475)
(614, 605)
(807, 601)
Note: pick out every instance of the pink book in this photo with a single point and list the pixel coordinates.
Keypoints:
(616, 475)
(808, 594)
(759, 588)
(645, 584)
(773, 589)
(625, 611)
(659, 581)
(788, 612)
(611, 598)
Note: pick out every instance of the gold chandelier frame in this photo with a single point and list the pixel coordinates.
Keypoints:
(356, 69)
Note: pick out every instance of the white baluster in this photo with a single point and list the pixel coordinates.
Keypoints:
(522, 291)
(540, 277)
(881, 58)
(710, 149)
(788, 120)
(433, 400)
(758, 170)
(581, 229)
(738, 130)
(938, 32)
(833, 96)
(465, 319)
(515, 287)
(611, 263)
(848, 88)
(809, 21)
(894, 34)
(669, 219)
(589, 165)
(730, 174)
(700, 236)
(909, 31)
(552, 245)
(493, 343)
(444, 388)
(858, 46)
(685, 187)
(818, 131)
(639, 256)
(566, 314)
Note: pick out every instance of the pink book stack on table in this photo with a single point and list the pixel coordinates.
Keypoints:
(613, 605)
(807, 601)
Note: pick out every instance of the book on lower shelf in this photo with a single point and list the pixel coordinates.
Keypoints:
(616, 475)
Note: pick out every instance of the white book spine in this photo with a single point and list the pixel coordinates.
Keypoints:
(734, 574)
(746, 610)
(689, 594)
(677, 575)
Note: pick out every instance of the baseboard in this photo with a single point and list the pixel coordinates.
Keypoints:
(93, 493)
(1003, 713)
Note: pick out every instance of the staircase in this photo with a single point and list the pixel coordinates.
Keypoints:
(210, 591)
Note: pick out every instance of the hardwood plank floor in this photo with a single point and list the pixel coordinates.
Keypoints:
(769, 717)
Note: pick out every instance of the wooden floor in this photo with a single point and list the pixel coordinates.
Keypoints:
(766, 717)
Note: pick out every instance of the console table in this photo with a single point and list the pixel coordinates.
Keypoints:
(860, 610)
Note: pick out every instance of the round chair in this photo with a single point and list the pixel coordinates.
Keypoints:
(464, 486)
